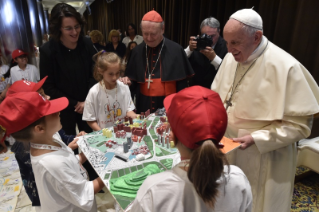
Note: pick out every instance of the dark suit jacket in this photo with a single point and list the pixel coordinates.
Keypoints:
(204, 71)
(63, 79)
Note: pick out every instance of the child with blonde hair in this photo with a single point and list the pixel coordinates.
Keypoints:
(109, 100)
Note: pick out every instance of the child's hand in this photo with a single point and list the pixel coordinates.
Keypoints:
(73, 145)
(80, 134)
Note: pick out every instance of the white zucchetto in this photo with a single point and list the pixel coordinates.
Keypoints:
(249, 17)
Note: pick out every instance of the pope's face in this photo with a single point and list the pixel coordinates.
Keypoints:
(152, 33)
(239, 43)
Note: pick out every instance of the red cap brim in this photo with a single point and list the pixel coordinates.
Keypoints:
(168, 101)
(57, 105)
(40, 84)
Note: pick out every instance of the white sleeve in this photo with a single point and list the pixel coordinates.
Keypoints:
(130, 104)
(8, 80)
(188, 51)
(12, 75)
(71, 186)
(283, 132)
(144, 204)
(125, 41)
(89, 113)
(216, 62)
(37, 73)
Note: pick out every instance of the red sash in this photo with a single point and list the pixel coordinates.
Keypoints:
(158, 88)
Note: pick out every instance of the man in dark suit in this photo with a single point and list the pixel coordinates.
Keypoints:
(205, 62)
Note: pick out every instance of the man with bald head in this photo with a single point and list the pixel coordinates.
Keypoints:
(158, 67)
(270, 99)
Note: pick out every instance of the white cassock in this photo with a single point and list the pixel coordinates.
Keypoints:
(274, 103)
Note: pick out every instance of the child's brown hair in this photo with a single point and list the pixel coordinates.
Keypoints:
(102, 61)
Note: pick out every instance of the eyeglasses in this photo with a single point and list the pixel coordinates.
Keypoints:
(71, 28)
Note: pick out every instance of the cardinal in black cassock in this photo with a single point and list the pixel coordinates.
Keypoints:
(166, 70)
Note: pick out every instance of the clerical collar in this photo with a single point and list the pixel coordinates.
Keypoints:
(258, 50)
(157, 47)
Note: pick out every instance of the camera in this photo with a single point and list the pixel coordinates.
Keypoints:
(203, 41)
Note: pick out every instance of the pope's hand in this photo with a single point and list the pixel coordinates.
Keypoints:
(125, 80)
(245, 141)
(209, 53)
(192, 43)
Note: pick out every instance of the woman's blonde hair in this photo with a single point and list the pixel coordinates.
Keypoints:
(113, 33)
(96, 36)
(102, 61)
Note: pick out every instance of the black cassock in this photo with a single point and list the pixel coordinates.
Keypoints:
(169, 76)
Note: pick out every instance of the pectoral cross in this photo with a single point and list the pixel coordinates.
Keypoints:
(228, 103)
(149, 81)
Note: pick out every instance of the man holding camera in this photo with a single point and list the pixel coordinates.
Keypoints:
(204, 59)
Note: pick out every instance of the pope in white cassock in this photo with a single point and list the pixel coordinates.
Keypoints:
(270, 99)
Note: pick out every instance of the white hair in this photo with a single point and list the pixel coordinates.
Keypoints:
(161, 24)
(211, 22)
(249, 30)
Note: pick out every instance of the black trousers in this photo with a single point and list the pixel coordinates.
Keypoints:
(69, 119)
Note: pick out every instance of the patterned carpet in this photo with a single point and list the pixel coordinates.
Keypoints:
(306, 192)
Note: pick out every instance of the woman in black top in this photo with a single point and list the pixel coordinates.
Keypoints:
(114, 44)
(67, 61)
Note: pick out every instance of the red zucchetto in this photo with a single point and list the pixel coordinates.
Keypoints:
(152, 16)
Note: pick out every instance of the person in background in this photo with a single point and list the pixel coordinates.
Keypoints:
(128, 52)
(205, 62)
(96, 38)
(45, 38)
(114, 44)
(131, 35)
(88, 34)
(203, 180)
(121, 35)
(4, 82)
(23, 70)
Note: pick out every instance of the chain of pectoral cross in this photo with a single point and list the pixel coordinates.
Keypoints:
(148, 70)
(228, 102)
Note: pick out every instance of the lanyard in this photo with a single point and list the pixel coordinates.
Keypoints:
(48, 147)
